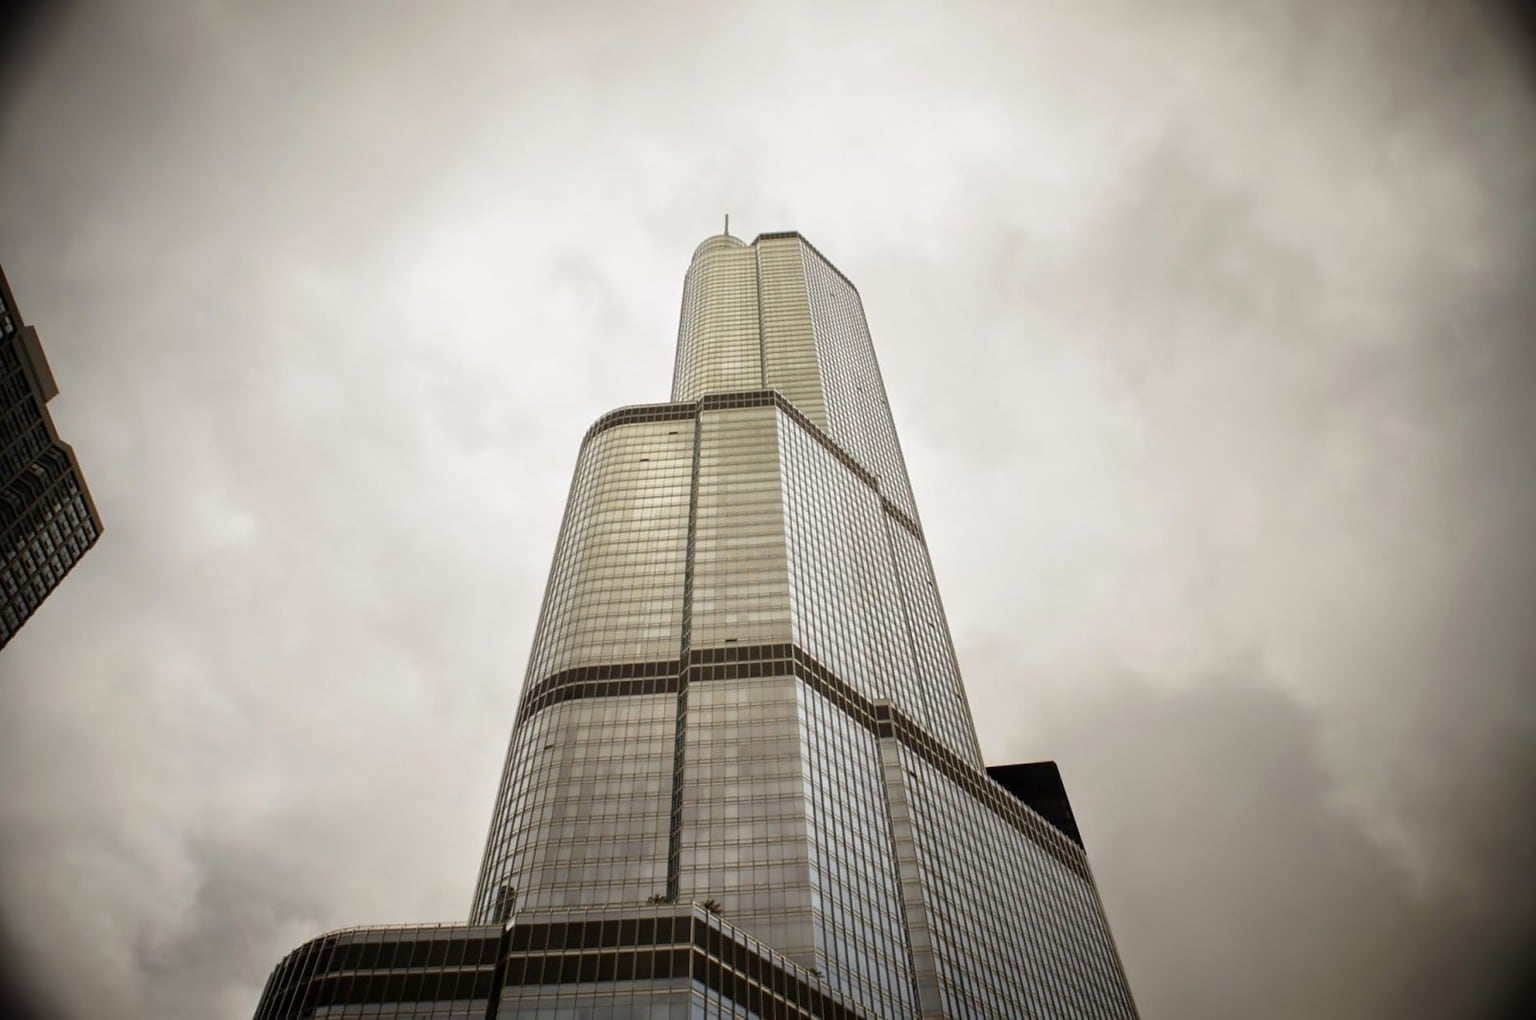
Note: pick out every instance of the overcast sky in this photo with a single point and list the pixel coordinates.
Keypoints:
(1209, 331)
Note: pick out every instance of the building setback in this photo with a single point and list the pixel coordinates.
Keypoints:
(47, 517)
(743, 779)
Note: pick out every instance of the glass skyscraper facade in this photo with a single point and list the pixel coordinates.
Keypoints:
(743, 779)
(47, 517)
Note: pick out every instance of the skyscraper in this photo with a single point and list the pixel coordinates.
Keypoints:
(47, 518)
(743, 778)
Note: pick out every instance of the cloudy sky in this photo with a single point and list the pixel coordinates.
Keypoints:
(1208, 328)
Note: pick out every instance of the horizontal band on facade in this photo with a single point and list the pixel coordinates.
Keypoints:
(419, 963)
(749, 398)
(605, 681)
(884, 720)
(647, 948)
(901, 518)
(639, 414)
(480, 962)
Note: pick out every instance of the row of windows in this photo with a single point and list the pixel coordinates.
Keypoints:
(880, 718)
(847, 606)
(23, 451)
(1025, 940)
(38, 546)
(729, 401)
(318, 977)
(602, 568)
(859, 910)
(901, 518)
(615, 589)
(742, 778)
(599, 681)
(639, 414)
(858, 414)
(938, 673)
(790, 362)
(890, 723)
(603, 767)
(23, 412)
(718, 343)
(457, 961)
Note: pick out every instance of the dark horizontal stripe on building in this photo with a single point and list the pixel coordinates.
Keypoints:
(736, 662)
(749, 398)
(602, 681)
(477, 963)
(902, 518)
(441, 963)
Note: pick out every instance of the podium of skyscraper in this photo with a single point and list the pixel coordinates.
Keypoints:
(743, 779)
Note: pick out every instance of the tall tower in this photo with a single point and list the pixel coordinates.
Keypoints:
(743, 778)
(47, 517)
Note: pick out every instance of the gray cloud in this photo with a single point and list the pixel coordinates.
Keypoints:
(1241, 886)
(1207, 330)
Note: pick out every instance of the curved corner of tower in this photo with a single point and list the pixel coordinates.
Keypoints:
(717, 242)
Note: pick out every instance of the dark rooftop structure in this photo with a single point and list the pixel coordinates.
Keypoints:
(1038, 784)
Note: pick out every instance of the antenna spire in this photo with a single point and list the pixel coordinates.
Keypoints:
(727, 224)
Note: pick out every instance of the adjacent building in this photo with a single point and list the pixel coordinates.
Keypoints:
(743, 779)
(47, 518)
